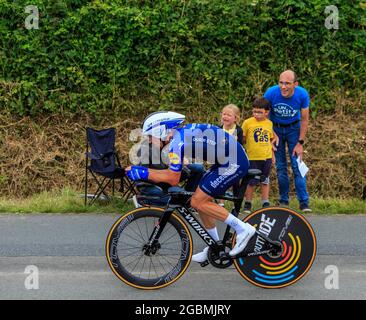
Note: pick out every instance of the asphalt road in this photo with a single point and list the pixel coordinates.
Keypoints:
(68, 251)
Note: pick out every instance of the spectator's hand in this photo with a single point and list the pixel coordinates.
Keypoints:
(298, 151)
(273, 160)
(275, 141)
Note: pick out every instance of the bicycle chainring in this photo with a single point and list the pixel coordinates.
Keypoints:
(221, 261)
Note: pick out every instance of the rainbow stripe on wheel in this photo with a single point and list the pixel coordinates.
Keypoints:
(283, 270)
(298, 248)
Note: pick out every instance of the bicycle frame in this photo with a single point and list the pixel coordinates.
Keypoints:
(175, 203)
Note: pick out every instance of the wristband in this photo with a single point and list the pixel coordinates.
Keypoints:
(301, 142)
(138, 173)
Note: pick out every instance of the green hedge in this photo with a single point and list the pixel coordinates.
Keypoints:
(133, 56)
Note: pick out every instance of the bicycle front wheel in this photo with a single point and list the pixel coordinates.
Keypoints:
(298, 243)
(126, 249)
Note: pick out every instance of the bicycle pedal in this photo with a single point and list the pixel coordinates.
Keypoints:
(204, 263)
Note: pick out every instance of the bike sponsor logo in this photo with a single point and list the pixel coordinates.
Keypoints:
(283, 231)
(174, 158)
(115, 239)
(196, 226)
(113, 252)
(126, 221)
(174, 273)
(157, 228)
(205, 140)
(224, 175)
(265, 227)
(185, 245)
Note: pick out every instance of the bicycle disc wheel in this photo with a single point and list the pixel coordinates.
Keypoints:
(125, 253)
(298, 252)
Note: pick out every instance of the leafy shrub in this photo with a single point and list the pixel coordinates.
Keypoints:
(135, 56)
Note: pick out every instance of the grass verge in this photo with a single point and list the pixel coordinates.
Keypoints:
(69, 201)
(323, 206)
(64, 201)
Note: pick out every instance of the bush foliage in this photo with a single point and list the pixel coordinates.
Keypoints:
(135, 56)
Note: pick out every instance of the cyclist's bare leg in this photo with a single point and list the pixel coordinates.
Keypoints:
(200, 201)
(211, 211)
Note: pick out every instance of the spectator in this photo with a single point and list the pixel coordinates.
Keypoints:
(258, 135)
(290, 116)
(230, 116)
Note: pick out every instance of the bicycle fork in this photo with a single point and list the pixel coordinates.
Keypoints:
(153, 244)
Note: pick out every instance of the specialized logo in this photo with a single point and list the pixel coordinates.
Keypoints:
(196, 226)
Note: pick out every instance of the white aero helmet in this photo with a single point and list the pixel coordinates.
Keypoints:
(158, 124)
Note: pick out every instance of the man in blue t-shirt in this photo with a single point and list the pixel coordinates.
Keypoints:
(290, 116)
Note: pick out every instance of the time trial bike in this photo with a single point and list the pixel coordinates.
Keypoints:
(150, 247)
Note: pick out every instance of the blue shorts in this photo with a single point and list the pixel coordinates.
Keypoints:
(220, 178)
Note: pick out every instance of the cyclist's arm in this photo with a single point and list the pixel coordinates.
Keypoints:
(166, 175)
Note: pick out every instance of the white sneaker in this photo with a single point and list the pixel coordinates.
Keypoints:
(242, 240)
(201, 256)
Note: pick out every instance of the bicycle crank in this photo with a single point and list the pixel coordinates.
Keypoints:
(220, 260)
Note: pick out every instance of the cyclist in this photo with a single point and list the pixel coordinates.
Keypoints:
(153, 154)
(208, 143)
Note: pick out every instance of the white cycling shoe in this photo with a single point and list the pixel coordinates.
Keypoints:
(200, 256)
(242, 240)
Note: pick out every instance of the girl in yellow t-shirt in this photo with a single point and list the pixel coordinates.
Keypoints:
(258, 134)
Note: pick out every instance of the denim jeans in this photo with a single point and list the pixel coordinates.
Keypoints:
(289, 136)
(154, 191)
(197, 171)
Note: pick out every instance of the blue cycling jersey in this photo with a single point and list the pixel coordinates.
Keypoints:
(205, 142)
